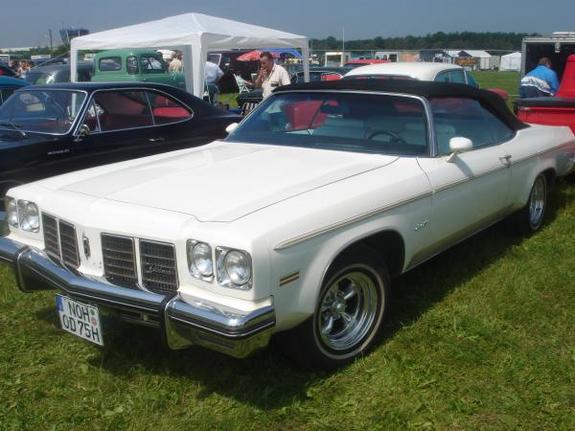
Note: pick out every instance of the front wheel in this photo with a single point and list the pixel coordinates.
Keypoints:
(352, 305)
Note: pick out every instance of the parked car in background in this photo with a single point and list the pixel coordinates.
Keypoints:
(57, 73)
(437, 72)
(52, 129)
(295, 223)
(248, 101)
(6, 71)
(8, 86)
(142, 65)
(358, 62)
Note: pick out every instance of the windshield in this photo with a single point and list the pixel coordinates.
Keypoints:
(39, 78)
(42, 111)
(369, 123)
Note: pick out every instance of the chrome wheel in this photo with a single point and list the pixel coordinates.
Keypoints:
(537, 202)
(348, 309)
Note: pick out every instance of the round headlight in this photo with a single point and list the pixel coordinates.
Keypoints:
(200, 258)
(29, 216)
(11, 212)
(238, 267)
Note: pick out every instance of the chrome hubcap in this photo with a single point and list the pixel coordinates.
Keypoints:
(347, 310)
(537, 202)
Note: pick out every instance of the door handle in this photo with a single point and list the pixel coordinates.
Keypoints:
(506, 160)
(156, 139)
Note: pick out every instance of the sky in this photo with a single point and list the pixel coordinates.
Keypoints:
(26, 23)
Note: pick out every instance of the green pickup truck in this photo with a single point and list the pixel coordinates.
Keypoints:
(135, 65)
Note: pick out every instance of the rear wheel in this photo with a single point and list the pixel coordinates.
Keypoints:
(530, 218)
(352, 305)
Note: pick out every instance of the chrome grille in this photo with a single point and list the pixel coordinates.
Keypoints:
(51, 240)
(69, 245)
(119, 260)
(159, 271)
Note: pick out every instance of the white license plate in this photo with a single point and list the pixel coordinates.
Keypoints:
(80, 319)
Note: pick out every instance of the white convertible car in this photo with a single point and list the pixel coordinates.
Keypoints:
(295, 223)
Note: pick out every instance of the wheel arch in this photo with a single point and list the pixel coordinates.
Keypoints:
(546, 169)
(388, 243)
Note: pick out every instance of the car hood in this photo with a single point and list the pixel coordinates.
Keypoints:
(222, 182)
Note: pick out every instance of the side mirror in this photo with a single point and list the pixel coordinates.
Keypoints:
(231, 128)
(459, 145)
(83, 131)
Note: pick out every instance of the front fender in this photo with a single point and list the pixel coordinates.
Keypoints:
(296, 301)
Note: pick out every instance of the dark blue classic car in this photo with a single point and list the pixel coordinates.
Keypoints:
(52, 129)
(8, 85)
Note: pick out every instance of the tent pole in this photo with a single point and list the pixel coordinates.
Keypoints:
(73, 63)
(305, 59)
(188, 55)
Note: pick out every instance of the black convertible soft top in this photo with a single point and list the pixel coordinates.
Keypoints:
(488, 99)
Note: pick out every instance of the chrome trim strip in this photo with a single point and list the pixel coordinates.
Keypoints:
(540, 153)
(467, 179)
(289, 278)
(416, 260)
(351, 220)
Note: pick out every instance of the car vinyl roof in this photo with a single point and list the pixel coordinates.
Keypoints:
(488, 99)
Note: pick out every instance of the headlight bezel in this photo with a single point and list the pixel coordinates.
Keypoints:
(28, 216)
(223, 277)
(193, 268)
(11, 206)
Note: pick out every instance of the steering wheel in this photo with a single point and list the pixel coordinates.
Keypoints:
(395, 138)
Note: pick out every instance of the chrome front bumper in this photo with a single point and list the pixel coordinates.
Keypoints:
(182, 323)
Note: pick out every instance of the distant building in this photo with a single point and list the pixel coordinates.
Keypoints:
(7, 50)
(434, 56)
(475, 59)
(67, 34)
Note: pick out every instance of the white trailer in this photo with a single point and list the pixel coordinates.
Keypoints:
(557, 47)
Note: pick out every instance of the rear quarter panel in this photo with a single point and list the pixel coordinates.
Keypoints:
(538, 149)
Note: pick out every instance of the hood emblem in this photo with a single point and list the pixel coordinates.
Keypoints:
(157, 269)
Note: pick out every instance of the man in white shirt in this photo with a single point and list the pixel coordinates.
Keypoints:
(271, 75)
(212, 74)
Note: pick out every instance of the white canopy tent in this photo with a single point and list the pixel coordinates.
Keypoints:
(511, 62)
(194, 34)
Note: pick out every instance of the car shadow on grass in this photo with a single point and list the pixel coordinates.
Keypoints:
(268, 380)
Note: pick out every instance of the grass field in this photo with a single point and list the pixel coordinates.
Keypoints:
(481, 337)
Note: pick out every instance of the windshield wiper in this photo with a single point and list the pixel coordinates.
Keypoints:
(14, 126)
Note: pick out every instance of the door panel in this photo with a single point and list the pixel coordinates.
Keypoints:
(468, 193)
